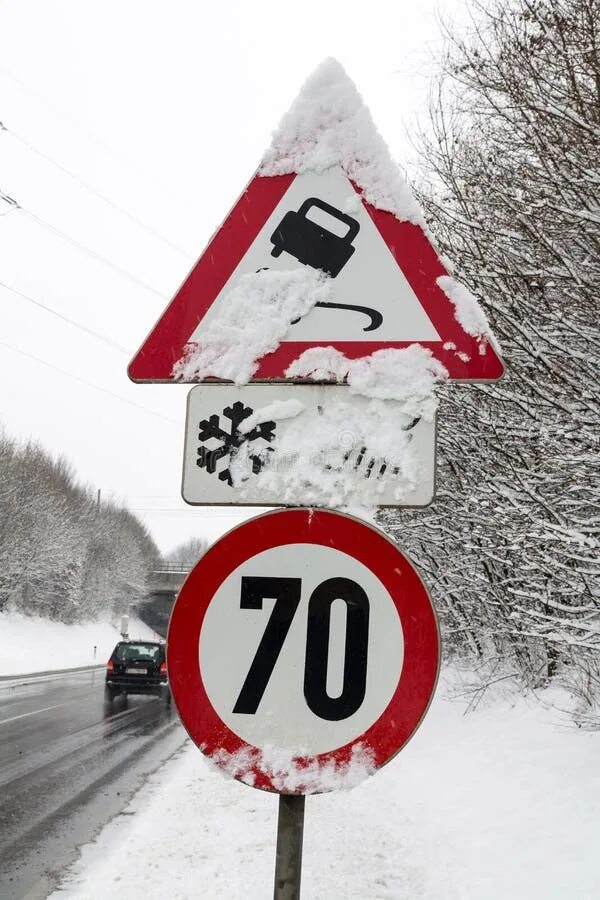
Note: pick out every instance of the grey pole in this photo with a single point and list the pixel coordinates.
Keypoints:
(288, 860)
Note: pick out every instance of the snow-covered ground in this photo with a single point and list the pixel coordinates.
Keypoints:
(39, 645)
(500, 804)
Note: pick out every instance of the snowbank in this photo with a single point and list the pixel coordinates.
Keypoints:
(40, 645)
(503, 803)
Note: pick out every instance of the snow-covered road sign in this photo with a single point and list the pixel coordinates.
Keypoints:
(303, 651)
(351, 220)
(281, 444)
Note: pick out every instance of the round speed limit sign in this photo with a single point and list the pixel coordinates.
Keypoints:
(303, 651)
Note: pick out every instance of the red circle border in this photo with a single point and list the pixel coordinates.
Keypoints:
(418, 678)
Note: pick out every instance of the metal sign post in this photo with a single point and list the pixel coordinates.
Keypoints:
(288, 858)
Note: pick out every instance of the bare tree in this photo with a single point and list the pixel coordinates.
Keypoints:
(188, 553)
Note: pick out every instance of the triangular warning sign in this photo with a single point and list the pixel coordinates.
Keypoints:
(328, 199)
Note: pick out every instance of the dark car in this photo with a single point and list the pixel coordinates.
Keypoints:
(137, 667)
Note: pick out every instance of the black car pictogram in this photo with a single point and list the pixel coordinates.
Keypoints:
(311, 243)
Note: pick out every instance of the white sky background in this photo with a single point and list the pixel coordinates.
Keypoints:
(166, 109)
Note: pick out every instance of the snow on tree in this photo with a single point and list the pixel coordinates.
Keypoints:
(62, 555)
(512, 195)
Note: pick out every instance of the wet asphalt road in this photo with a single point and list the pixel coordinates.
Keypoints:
(67, 766)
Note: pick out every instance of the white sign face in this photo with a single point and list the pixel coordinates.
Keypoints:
(321, 222)
(278, 444)
(275, 676)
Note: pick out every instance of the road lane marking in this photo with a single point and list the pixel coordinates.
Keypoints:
(33, 713)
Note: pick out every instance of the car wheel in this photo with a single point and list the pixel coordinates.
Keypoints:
(109, 696)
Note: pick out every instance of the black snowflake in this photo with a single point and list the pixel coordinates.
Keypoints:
(232, 440)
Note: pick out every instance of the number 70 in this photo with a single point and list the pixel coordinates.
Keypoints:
(286, 592)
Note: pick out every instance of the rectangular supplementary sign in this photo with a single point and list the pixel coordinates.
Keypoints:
(302, 445)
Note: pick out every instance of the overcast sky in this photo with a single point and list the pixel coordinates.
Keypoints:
(165, 109)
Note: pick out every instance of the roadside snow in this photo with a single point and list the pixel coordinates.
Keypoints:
(329, 125)
(503, 803)
(41, 645)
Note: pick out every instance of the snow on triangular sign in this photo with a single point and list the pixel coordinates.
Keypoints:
(325, 248)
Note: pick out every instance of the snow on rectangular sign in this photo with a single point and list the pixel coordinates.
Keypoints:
(280, 445)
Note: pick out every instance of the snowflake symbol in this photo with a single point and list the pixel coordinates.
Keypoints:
(232, 440)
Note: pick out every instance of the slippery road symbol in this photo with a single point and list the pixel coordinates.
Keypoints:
(314, 245)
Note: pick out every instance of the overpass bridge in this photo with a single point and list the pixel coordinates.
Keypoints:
(166, 579)
(164, 583)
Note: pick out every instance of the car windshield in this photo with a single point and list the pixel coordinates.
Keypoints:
(129, 652)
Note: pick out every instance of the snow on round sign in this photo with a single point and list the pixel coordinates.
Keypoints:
(303, 651)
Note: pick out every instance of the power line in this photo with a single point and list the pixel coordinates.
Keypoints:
(84, 381)
(75, 243)
(94, 191)
(69, 117)
(58, 315)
